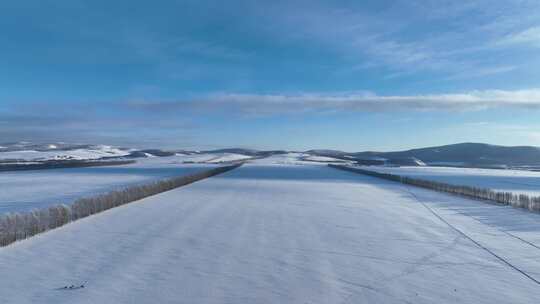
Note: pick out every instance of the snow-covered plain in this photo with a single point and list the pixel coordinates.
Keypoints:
(95, 152)
(292, 158)
(316, 158)
(25, 190)
(297, 158)
(283, 234)
(516, 181)
(212, 158)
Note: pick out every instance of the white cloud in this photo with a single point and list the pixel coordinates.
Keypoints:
(413, 37)
(482, 72)
(272, 104)
(529, 36)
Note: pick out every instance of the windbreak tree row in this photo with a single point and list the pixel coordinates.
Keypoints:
(18, 226)
(531, 203)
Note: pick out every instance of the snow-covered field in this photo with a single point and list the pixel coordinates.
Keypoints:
(25, 190)
(76, 154)
(212, 158)
(284, 234)
(316, 158)
(297, 158)
(26, 152)
(517, 181)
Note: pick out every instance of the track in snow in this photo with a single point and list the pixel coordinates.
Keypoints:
(278, 234)
(502, 259)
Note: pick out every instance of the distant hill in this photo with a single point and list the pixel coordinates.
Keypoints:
(249, 152)
(151, 152)
(328, 153)
(465, 154)
(31, 152)
(233, 150)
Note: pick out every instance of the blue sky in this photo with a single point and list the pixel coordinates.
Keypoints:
(350, 75)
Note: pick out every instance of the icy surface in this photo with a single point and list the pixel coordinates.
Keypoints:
(517, 181)
(283, 234)
(25, 190)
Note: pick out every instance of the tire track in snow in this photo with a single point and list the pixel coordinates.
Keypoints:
(503, 260)
(503, 231)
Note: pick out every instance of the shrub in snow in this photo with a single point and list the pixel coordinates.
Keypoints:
(18, 226)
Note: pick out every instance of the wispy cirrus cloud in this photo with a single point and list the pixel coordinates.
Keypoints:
(447, 38)
(529, 36)
(272, 104)
(482, 72)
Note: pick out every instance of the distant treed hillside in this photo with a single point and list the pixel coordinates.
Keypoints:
(464, 154)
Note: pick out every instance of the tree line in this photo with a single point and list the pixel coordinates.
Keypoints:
(18, 226)
(531, 203)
